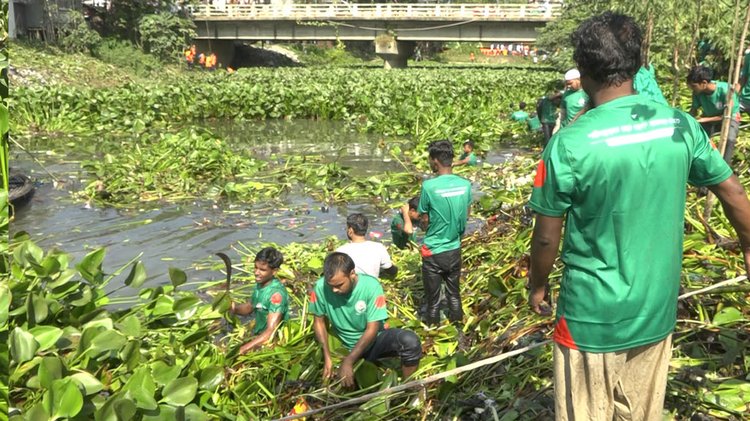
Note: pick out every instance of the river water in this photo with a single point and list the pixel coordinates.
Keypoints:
(187, 235)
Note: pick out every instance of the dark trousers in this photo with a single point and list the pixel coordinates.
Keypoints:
(438, 269)
(734, 129)
(547, 129)
(396, 343)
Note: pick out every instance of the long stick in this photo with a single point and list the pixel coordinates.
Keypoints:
(431, 379)
(714, 286)
(469, 367)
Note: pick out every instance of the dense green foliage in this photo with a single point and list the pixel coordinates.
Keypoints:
(76, 36)
(424, 103)
(165, 35)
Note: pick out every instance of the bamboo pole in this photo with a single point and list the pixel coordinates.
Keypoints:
(733, 81)
(469, 367)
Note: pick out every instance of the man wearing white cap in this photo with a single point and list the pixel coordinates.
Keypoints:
(574, 99)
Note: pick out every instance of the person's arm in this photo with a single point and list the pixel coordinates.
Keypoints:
(321, 334)
(408, 226)
(737, 209)
(545, 242)
(346, 371)
(694, 107)
(272, 322)
(461, 162)
(389, 272)
(243, 309)
(709, 119)
(387, 268)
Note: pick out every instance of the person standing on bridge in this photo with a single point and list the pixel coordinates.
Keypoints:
(617, 177)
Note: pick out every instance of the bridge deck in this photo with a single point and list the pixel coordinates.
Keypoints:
(388, 11)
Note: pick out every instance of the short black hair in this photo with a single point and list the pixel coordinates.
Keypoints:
(414, 203)
(358, 223)
(470, 143)
(608, 48)
(521, 105)
(271, 256)
(699, 74)
(442, 150)
(337, 262)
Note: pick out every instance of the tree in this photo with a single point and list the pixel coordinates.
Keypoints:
(165, 35)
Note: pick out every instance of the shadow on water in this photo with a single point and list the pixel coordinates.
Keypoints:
(179, 235)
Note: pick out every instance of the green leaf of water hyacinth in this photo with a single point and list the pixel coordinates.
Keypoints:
(88, 382)
(177, 277)
(141, 388)
(46, 336)
(727, 315)
(64, 399)
(180, 391)
(91, 266)
(137, 275)
(23, 346)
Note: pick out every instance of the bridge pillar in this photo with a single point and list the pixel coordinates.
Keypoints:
(393, 52)
(224, 50)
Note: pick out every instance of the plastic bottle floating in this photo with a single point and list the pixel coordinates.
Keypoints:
(376, 234)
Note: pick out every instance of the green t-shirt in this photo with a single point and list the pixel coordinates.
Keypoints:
(619, 177)
(645, 83)
(534, 123)
(519, 115)
(548, 111)
(400, 238)
(472, 158)
(572, 103)
(349, 314)
(713, 104)
(446, 199)
(745, 91)
(272, 298)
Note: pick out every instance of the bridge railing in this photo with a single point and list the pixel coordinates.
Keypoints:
(389, 11)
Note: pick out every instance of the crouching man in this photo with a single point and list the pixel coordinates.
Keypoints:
(354, 304)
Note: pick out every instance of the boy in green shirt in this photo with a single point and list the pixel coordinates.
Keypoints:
(645, 84)
(521, 115)
(444, 204)
(269, 302)
(710, 96)
(468, 157)
(354, 304)
(402, 225)
(617, 179)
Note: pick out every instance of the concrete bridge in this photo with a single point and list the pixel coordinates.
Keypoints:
(393, 27)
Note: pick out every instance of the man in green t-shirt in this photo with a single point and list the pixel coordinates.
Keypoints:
(269, 302)
(354, 304)
(546, 108)
(444, 204)
(645, 84)
(520, 115)
(468, 157)
(617, 178)
(711, 96)
(745, 84)
(402, 225)
(574, 100)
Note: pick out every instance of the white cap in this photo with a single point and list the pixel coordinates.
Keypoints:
(572, 74)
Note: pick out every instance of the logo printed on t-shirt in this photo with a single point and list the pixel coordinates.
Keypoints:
(380, 301)
(276, 298)
(360, 307)
(313, 297)
(541, 174)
